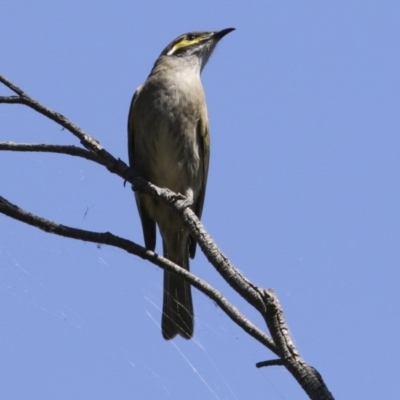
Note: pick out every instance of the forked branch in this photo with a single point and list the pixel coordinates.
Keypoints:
(265, 301)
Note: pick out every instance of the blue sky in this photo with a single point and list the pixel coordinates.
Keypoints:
(303, 196)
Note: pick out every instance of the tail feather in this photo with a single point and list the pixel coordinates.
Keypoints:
(177, 317)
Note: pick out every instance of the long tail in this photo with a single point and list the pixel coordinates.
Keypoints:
(177, 317)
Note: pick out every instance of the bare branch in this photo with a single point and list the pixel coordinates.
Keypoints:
(276, 323)
(86, 140)
(108, 238)
(232, 276)
(270, 363)
(264, 301)
(10, 99)
(51, 148)
(11, 86)
(308, 377)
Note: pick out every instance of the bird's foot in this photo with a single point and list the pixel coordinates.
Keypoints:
(182, 201)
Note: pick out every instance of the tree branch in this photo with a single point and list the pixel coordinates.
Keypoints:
(231, 275)
(51, 148)
(264, 301)
(308, 377)
(107, 238)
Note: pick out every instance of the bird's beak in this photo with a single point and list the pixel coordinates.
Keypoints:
(219, 35)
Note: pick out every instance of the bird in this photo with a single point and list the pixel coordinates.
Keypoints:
(169, 145)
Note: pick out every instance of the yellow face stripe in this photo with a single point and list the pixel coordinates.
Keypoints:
(184, 43)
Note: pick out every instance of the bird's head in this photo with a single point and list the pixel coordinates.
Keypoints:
(199, 45)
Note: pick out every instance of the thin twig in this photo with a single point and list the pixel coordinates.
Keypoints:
(270, 363)
(51, 148)
(11, 86)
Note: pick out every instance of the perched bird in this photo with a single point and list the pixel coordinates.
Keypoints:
(169, 145)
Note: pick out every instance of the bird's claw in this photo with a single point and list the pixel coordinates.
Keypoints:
(185, 202)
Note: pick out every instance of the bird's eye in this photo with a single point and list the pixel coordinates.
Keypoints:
(190, 37)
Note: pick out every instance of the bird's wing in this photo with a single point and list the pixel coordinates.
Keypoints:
(148, 224)
(204, 145)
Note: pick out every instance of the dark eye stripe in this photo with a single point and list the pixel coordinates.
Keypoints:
(190, 37)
